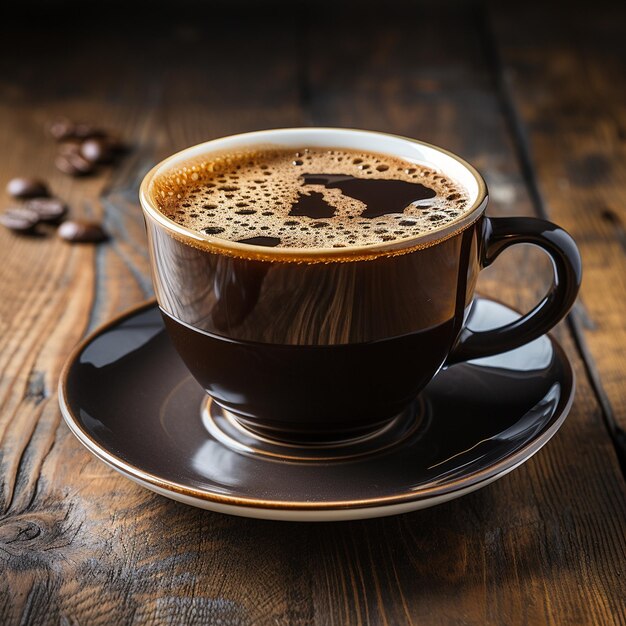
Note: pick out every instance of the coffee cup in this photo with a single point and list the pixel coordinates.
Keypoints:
(315, 342)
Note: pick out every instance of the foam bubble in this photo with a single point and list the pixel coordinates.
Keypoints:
(250, 196)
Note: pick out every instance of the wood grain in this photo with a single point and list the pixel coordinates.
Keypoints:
(567, 87)
(81, 545)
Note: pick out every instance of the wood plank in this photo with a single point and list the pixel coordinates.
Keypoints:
(567, 89)
(79, 544)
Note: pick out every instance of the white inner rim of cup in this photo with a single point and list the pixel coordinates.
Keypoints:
(405, 148)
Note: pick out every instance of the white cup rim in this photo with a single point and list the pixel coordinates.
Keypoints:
(386, 143)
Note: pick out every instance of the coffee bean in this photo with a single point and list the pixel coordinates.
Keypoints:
(70, 146)
(98, 150)
(73, 164)
(49, 210)
(77, 231)
(64, 164)
(81, 164)
(19, 219)
(24, 187)
(61, 128)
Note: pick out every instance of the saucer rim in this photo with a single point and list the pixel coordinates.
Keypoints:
(419, 499)
(320, 514)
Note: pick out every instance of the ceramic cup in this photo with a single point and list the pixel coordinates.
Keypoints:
(313, 345)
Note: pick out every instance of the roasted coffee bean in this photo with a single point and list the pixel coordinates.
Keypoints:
(74, 164)
(64, 164)
(19, 219)
(49, 210)
(24, 187)
(70, 146)
(98, 150)
(61, 128)
(78, 231)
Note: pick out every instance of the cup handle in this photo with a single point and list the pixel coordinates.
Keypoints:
(500, 233)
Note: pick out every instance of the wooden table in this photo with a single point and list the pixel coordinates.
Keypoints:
(534, 98)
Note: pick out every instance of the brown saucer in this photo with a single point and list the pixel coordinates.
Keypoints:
(129, 399)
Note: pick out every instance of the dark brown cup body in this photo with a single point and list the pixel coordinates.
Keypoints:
(325, 344)
(315, 350)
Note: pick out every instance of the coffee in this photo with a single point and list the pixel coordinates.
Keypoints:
(309, 198)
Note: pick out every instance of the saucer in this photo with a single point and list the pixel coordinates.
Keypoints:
(129, 399)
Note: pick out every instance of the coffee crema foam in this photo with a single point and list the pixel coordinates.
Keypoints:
(309, 197)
